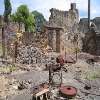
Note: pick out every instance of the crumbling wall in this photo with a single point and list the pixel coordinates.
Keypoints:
(90, 38)
(68, 20)
(27, 38)
(64, 19)
(33, 55)
(96, 21)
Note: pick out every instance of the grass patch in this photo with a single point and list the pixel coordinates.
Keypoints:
(92, 75)
(8, 69)
(0, 49)
(13, 68)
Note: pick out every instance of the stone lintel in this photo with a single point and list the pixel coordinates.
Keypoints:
(53, 27)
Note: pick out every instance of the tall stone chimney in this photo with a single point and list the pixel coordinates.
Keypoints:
(73, 6)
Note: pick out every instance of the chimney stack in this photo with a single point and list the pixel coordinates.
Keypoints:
(73, 6)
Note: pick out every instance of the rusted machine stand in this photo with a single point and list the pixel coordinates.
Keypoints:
(56, 69)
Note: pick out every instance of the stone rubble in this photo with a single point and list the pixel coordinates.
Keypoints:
(7, 87)
(32, 55)
(80, 74)
(29, 54)
(76, 76)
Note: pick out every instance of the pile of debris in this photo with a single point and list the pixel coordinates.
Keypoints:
(29, 54)
(32, 55)
(7, 87)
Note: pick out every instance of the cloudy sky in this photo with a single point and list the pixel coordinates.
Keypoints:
(43, 6)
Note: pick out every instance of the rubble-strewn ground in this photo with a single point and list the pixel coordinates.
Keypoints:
(82, 74)
(79, 75)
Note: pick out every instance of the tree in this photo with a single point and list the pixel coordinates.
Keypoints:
(16, 18)
(7, 11)
(39, 20)
(24, 16)
(30, 23)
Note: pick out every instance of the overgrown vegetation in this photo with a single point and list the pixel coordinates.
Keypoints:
(23, 15)
(8, 69)
(92, 75)
(33, 22)
(7, 11)
(39, 21)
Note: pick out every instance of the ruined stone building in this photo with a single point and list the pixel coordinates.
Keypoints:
(8, 33)
(66, 33)
(65, 19)
(61, 26)
(91, 43)
(11, 29)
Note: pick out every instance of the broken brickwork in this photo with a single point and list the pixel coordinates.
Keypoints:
(62, 22)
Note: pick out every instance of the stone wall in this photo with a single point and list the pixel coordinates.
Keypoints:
(11, 29)
(27, 38)
(96, 21)
(68, 21)
(55, 38)
(64, 19)
(87, 41)
(83, 24)
(91, 39)
(33, 55)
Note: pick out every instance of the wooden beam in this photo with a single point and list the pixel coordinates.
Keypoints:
(41, 92)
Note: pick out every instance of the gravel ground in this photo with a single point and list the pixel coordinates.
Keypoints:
(69, 78)
(36, 77)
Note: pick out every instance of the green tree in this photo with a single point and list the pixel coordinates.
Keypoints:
(30, 23)
(16, 18)
(13, 17)
(39, 20)
(24, 16)
(7, 11)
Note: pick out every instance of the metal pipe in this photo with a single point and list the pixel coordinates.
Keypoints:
(3, 43)
(89, 8)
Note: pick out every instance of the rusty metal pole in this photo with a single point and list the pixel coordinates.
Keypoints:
(50, 77)
(89, 9)
(15, 52)
(3, 43)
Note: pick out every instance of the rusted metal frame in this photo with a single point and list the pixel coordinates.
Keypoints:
(51, 74)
